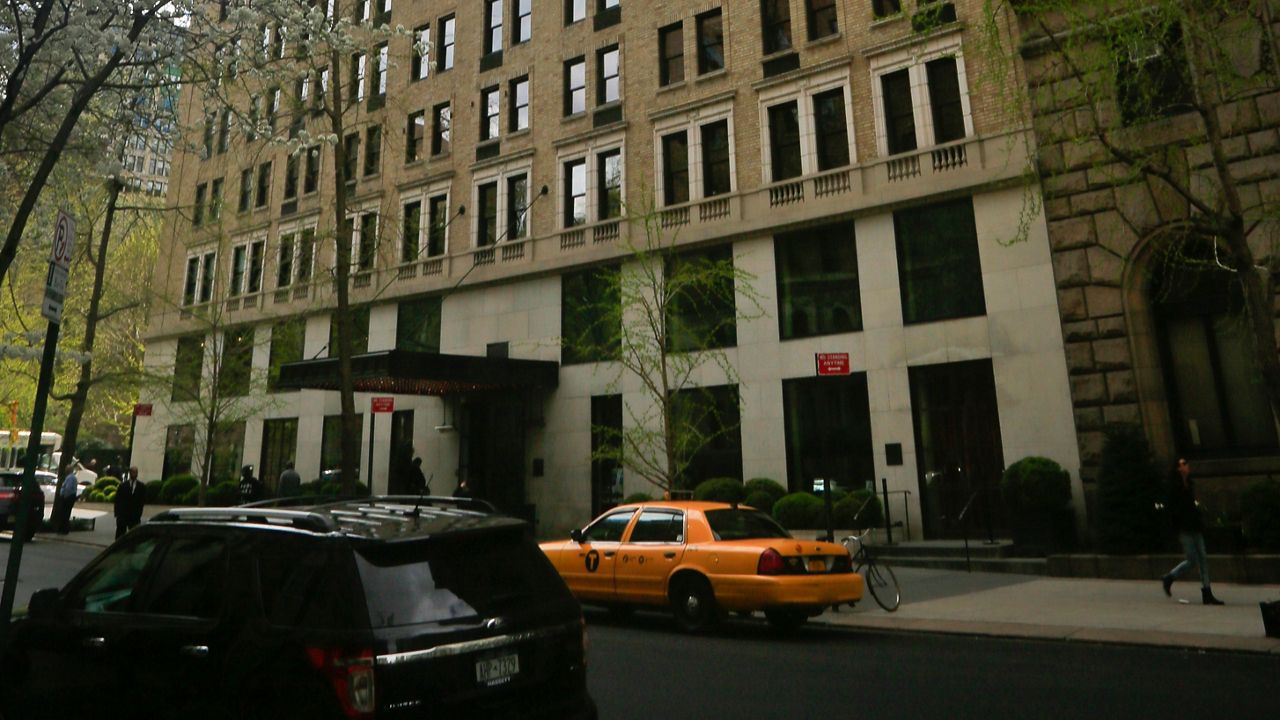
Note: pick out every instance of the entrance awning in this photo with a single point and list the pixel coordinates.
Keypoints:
(417, 373)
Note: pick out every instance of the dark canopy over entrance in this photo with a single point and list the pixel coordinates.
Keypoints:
(417, 373)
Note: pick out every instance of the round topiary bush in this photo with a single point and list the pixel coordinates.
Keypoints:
(190, 497)
(176, 487)
(1035, 486)
(798, 510)
(1261, 516)
(636, 498)
(97, 496)
(105, 482)
(1128, 490)
(152, 490)
(223, 494)
(859, 509)
(762, 493)
(726, 490)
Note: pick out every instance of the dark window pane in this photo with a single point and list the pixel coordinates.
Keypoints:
(702, 310)
(675, 168)
(828, 426)
(439, 211)
(590, 315)
(441, 129)
(716, 175)
(775, 25)
(575, 193)
(944, 97)
(658, 526)
(822, 18)
(1151, 79)
(359, 331)
(286, 346)
(517, 203)
(487, 225)
(609, 177)
(188, 368)
(671, 54)
(832, 135)
(899, 117)
(418, 325)
(235, 362)
(410, 230)
(818, 282)
(710, 42)
(189, 580)
(711, 444)
(784, 141)
(938, 265)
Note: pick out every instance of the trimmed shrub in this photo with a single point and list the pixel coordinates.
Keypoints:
(153, 489)
(97, 496)
(762, 493)
(105, 482)
(1035, 485)
(798, 510)
(859, 509)
(224, 494)
(1261, 517)
(325, 487)
(176, 487)
(636, 498)
(726, 490)
(190, 497)
(1128, 489)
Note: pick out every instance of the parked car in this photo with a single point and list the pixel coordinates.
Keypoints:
(48, 485)
(373, 608)
(701, 559)
(11, 495)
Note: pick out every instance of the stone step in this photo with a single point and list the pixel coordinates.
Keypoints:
(1019, 566)
(946, 549)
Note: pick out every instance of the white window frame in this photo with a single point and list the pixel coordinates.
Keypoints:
(914, 59)
(240, 289)
(381, 71)
(201, 265)
(362, 61)
(354, 216)
(588, 150)
(802, 91)
(423, 196)
(292, 234)
(691, 122)
(498, 174)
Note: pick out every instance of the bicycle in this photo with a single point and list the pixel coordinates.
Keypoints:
(876, 574)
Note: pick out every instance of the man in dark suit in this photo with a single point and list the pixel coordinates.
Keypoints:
(131, 496)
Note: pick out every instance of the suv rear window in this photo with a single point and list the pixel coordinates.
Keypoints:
(733, 524)
(454, 579)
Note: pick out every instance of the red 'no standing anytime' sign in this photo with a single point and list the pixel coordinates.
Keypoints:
(382, 404)
(832, 363)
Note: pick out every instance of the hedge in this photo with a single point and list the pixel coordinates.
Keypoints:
(726, 490)
(762, 493)
(798, 510)
(860, 509)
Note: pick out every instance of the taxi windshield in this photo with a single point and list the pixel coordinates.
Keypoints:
(736, 524)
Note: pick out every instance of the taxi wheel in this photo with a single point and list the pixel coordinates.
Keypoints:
(784, 619)
(694, 604)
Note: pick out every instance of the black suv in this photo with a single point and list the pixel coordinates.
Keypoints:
(385, 607)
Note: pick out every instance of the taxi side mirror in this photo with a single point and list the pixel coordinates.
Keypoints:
(576, 535)
(44, 604)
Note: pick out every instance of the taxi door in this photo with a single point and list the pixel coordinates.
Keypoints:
(588, 566)
(646, 558)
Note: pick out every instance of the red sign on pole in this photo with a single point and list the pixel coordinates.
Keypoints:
(382, 404)
(142, 410)
(832, 363)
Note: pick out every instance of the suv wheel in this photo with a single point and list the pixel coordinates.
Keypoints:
(694, 604)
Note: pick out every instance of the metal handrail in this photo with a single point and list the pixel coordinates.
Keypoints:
(963, 519)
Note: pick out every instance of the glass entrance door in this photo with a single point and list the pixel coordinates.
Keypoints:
(279, 447)
(494, 451)
(958, 448)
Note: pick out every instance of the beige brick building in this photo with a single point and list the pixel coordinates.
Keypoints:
(853, 166)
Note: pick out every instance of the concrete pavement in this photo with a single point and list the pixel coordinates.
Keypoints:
(1134, 612)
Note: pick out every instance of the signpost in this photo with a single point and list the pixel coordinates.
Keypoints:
(831, 363)
(64, 242)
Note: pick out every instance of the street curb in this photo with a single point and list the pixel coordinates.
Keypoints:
(1062, 633)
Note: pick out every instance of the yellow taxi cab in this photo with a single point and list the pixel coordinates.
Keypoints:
(702, 559)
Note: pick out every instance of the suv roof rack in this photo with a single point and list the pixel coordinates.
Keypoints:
(387, 503)
(299, 519)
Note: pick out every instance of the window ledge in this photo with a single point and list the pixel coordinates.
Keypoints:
(671, 87)
(575, 116)
(513, 134)
(888, 20)
(415, 163)
(824, 40)
(713, 75)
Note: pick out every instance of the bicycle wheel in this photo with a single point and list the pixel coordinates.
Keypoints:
(883, 585)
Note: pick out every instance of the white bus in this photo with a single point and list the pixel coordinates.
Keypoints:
(12, 455)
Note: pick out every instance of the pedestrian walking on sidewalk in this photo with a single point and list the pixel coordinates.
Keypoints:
(1184, 512)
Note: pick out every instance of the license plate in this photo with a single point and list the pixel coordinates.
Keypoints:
(817, 565)
(498, 670)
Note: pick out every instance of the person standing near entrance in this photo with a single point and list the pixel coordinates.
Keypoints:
(66, 499)
(131, 496)
(1184, 512)
(417, 481)
(290, 481)
(250, 486)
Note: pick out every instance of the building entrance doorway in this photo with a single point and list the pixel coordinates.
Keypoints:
(958, 448)
(493, 451)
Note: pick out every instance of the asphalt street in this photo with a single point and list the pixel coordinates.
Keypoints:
(45, 564)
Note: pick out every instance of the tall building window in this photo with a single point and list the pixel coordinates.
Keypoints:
(710, 42)
(885, 8)
(1151, 77)
(716, 169)
(590, 315)
(239, 261)
(420, 63)
(575, 192)
(715, 413)
(487, 216)
(352, 152)
(367, 246)
(379, 83)
(418, 324)
(284, 260)
(438, 219)
(257, 252)
(306, 254)
(264, 185)
(188, 368)
(675, 168)
(944, 100)
(192, 281)
(522, 26)
(609, 172)
(492, 26)
(817, 282)
(372, 150)
(359, 317)
(899, 116)
(197, 210)
(574, 11)
(208, 267)
(442, 119)
(575, 86)
(671, 54)
(784, 141)
(608, 85)
(939, 272)
(490, 112)
(287, 338)
(224, 131)
(246, 190)
(410, 230)
(518, 97)
(828, 428)
(831, 134)
(291, 176)
(311, 174)
(356, 87)
(701, 314)
(415, 132)
(517, 206)
(215, 200)
(822, 18)
(775, 25)
(444, 60)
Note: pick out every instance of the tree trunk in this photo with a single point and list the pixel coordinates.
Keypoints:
(80, 397)
(351, 431)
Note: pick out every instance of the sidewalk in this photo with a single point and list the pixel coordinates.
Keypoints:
(1131, 612)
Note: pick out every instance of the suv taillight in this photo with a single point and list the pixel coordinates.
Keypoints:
(350, 672)
(770, 563)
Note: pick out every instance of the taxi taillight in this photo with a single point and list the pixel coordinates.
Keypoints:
(350, 672)
(770, 563)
